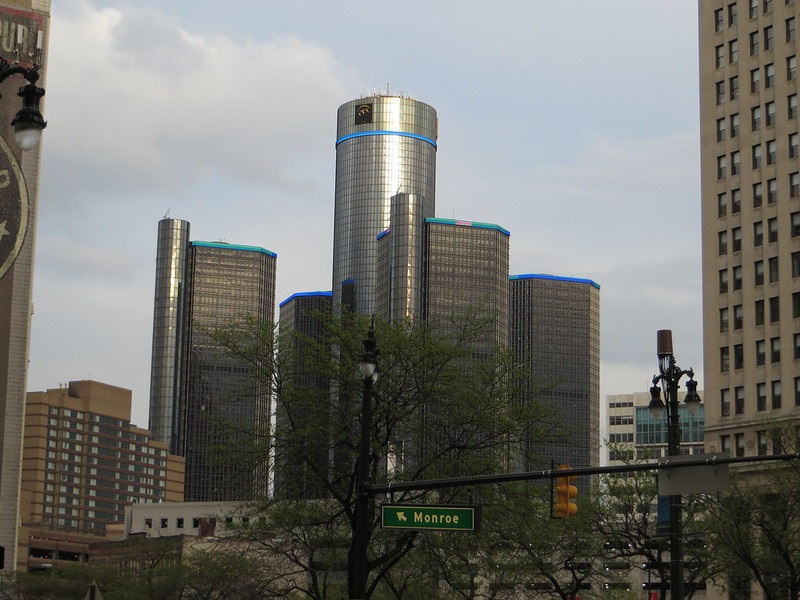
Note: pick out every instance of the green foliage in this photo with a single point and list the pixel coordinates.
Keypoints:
(440, 409)
(754, 528)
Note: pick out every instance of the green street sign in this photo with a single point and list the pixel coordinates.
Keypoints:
(442, 517)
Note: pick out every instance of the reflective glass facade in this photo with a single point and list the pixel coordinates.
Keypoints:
(225, 282)
(171, 265)
(466, 269)
(302, 456)
(386, 145)
(555, 330)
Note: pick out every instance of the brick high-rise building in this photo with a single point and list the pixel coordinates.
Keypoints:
(83, 463)
(750, 198)
(22, 22)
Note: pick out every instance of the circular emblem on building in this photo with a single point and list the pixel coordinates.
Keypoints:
(13, 208)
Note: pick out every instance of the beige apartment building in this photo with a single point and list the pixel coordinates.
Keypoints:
(750, 151)
(83, 464)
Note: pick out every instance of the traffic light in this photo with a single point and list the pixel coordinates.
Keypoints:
(566, 492)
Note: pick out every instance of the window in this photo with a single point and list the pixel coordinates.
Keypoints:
(739, 443)
(795, 264)
(719, 56)
(790, 34)
(758, 233)
(794, 185)
(719, 21)
(774, 309)
(737, 239)
(737, 277)
(758, 195)
(776, 394)
(755, 120)
(723, 320)
(148, 523)
(768, 35)
(772, 191)
(753, 43)
(796, 305)
(732, 14)
(733, 51)
(795, 223)
(736, 201)
(767, 6)
(769, 77)
(723, 281)
(724, 359)
(734, 124)
(738, 316)
(791, 67)
(723, 242)
(720, 92)
(738, 356)
(725, 402)
(164, 522)
(753, 9)
(761, 437)
(772, 230)
(775, 349)
(733, 83)
(755, 80)
(791, 102)
(725, 443)
(722, 166)
(772, 267)
(721, 129)
(736, 161)
(722, 204)
(179, 522)
(797, 391)
(796, 341)
(761, 353)
(759, 312)
(756, 153)
(794, 143)
(761, 396)
(770, 107)
(772, 152)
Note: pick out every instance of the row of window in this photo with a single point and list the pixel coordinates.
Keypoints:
(738, 449)
(731, 51)
(758, 158)
(758, 197)
(733, 122)
(733, 12)
(739, 403)
(735, 236)
(773, 273)
(760, 353)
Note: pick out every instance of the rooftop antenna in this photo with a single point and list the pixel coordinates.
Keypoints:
(166, 214)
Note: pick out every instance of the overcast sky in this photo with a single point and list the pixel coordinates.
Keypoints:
(572, 124)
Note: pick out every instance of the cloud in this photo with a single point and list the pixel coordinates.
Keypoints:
(137, 103)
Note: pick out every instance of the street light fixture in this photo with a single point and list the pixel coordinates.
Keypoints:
(368, 366)
(669, 376)
(28, 122)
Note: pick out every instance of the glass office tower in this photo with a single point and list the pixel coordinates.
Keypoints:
(171, 265)
(204, 400)
(385, 145)
(555, 331)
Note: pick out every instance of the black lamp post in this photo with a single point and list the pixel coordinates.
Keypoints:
(28, 122)
(669, 376)
(368, 366)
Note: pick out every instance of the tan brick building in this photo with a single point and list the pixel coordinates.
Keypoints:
(83, 464)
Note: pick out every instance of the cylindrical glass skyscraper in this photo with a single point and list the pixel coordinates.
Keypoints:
(385, 145)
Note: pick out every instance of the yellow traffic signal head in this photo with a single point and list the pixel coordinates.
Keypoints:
(564, 505)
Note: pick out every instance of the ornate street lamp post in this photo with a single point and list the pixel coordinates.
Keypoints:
(669, 376)
(368, 366)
